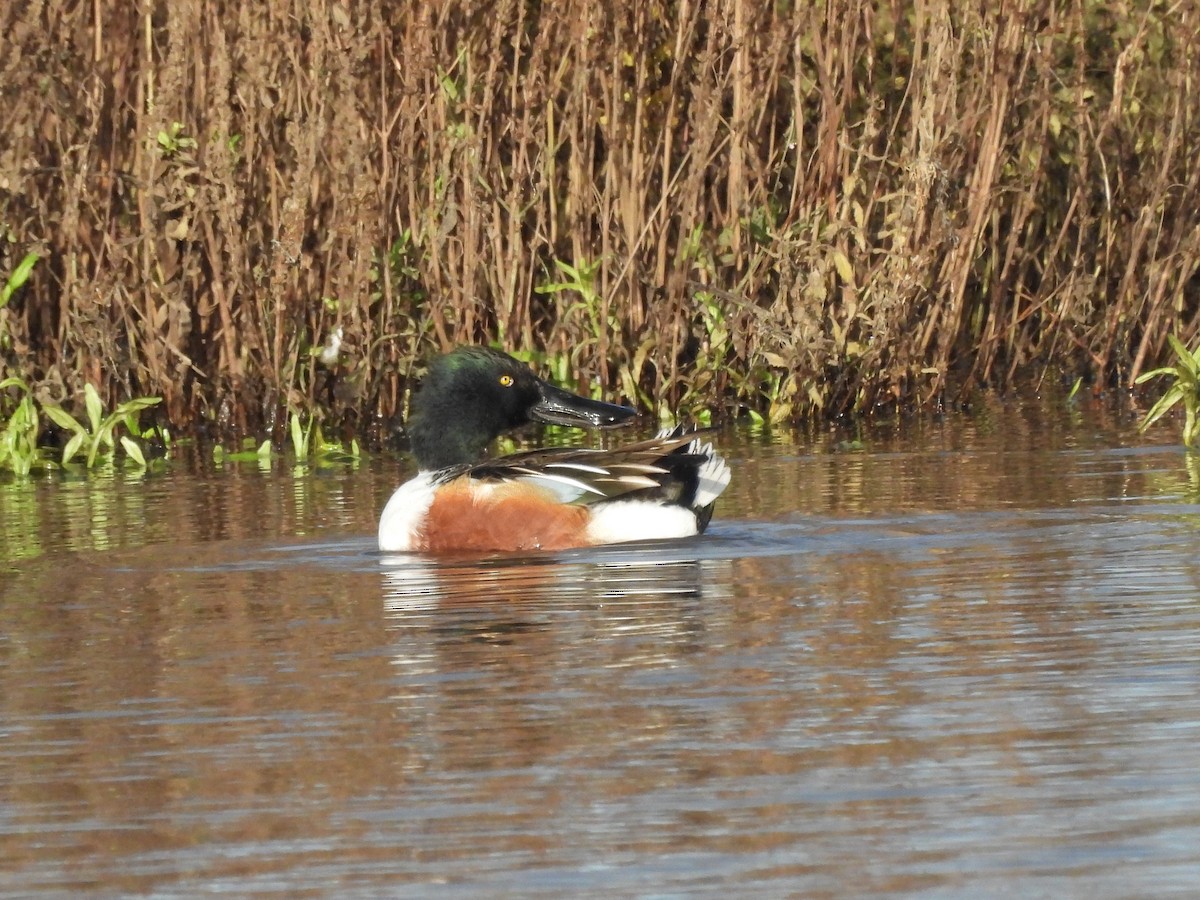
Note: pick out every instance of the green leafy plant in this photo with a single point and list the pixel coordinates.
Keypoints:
(301, 435)
(172, 140)
(336, 451)
(12, 284)
(95, 439)
(1185, 388)
(581, 280)
(308, 439)
(585, 317)
(252, 451)
(18, 440)
(1075, 390)
(18, 278)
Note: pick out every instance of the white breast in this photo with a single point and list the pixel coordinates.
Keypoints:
(404, 513)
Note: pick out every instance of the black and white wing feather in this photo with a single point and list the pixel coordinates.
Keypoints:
(673, 467)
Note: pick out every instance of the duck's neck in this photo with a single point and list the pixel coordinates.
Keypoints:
(442, 445)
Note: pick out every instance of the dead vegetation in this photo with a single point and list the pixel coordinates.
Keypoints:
(803, 210)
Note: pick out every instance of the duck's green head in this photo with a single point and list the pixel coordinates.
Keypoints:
(473, 394)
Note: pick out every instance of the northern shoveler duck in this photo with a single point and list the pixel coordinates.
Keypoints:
(542, 499)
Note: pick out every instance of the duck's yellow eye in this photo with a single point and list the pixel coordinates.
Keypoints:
(506, 380)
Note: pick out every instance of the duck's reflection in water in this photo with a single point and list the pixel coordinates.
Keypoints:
(506, 661)
(420, 584)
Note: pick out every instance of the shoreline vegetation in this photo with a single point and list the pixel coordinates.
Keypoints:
(267, 212)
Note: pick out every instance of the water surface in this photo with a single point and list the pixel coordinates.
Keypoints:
(962, 661)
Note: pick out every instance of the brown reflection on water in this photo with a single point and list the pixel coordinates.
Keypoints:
(1006, 455)
(150, 698)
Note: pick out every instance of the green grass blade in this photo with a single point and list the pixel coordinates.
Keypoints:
(298, 440)
(93, 450)
(567, 269)
(555, 287)
(63, 419)
(133, 451)
(1184, 354)
(95, 409)
(73, 446)
(18, 278)
(1173, 395)
(136, 405)
(1155, 373)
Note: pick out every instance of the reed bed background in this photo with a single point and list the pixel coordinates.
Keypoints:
(800, 209)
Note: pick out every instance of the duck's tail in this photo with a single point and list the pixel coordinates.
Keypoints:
(708, 480)
(680, 482)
